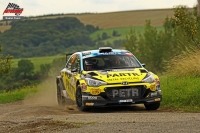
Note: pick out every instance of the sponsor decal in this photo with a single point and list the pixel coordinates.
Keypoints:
(122, 74)
(131, 92)
(92, 98)
(153, 87)
(95, 91)
(89, 104)
(111, 53)
(13, 8)
(113, 79)
(127, 78)
(72, 80)
(125, 83)
(73, 58)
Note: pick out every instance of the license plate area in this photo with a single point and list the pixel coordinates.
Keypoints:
(125, 101)
(123, 93)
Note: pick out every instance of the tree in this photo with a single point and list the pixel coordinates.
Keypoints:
(115, 33)
(26, 67)
(90, 28)
(5, 64)
(153, 47)
(189, 22)
(104, 35)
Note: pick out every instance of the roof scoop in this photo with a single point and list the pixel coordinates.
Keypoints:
(105, 49)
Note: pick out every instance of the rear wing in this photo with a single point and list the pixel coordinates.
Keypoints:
(68, 54)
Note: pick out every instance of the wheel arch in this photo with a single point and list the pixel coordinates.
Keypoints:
(59, 80)
(77, 83)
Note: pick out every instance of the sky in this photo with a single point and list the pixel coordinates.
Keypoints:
(42, 7)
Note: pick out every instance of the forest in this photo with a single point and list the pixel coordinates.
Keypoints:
(30, 38)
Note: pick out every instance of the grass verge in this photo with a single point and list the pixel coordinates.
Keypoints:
(181, 93)
(17, 95)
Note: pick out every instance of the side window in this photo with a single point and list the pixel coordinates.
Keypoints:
(71, 60)
(76, 63)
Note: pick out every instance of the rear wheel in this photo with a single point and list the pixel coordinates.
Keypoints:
(60, 98)
(152, 106)
(79, 102)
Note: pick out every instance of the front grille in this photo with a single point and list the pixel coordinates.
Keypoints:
(125, 92)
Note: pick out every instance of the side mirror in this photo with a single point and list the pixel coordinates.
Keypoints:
(143, 64)
(74, 70)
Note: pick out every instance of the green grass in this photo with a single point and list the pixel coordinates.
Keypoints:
(37, 61)
(181, 93)
(17, 95)
(123, 31)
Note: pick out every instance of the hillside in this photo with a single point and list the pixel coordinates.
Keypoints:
(50, 32)
(125, 18)
(43, 37)
(115, 19)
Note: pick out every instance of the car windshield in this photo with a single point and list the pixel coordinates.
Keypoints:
(110, 62)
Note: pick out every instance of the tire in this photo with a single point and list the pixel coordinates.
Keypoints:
(152, 106)
(79, 102)
(60, 98)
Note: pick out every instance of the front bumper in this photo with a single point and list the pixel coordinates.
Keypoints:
(102, 100)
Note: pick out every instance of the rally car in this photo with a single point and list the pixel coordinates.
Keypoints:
(107, 77)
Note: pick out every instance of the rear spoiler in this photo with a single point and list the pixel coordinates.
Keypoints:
(68, 55)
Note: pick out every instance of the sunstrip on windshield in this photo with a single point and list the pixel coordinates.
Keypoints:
(108, 53)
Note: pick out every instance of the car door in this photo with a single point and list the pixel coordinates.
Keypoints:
(72, 72)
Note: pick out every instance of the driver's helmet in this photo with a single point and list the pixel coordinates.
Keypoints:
(88, 64)
(115, 61)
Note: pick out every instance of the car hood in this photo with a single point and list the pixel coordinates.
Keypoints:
(118, 75)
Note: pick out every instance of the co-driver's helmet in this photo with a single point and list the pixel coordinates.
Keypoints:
(115, 60)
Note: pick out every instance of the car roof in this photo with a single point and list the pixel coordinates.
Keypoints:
(101, 51)
(97, 51)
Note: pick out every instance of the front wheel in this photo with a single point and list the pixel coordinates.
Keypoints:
(79, 102)
(152, 106)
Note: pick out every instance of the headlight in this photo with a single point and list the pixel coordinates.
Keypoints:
(92, 82)
(148, 78)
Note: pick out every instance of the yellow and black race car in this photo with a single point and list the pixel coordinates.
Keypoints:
(107, 77)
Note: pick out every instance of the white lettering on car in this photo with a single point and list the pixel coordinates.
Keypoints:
(132, 92)
(92, 98)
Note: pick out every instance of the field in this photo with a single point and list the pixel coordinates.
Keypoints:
(37, 61)
(123, 31)
(125, 18)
